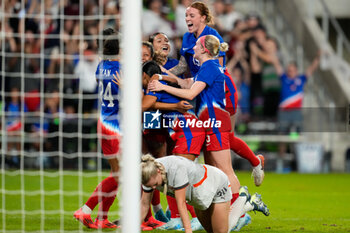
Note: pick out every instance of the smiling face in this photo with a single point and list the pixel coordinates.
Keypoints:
(198, 50)
(146, 54)
(155, 181)
(161, 44)
(194, 20)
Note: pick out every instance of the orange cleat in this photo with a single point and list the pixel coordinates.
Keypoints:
(144, 227)
(84, 219)
(105, 224)
(154, 223)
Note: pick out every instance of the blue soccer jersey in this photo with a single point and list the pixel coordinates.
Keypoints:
(210, 104)
(292, 91)
(181, 127)
(108, 94)
(189, 41)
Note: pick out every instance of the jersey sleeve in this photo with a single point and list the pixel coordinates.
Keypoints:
(180, 180)
(303, 78)
(205, 76)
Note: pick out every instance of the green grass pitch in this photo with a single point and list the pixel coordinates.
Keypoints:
(297, 202)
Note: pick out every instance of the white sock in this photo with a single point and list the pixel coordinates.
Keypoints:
(248, 207)
(86, 209)
(156, 208)
(236, 211)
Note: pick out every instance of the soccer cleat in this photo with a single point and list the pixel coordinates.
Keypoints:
(242, 221)
(159, 215)
(196, 225)
(258, 171)
(243, 192)
(144, 227)
(168, 214)
(84, 219)
(154, 223)
(173, 224)
(105, 224)
(258, 204)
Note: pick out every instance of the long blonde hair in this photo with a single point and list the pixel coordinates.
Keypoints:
(150, 168)
(212, 45)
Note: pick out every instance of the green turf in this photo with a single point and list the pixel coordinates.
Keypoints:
(297, 202)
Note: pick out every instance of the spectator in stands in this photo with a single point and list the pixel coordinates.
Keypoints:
(13, 111)
(239, 68)
(85, 71)
(266, 50)
(52, 111)
(256, 65)
(226, 16)
(180, 11)
(292, 92)
(152, 20)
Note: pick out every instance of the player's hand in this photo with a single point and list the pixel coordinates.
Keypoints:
(116, 79)
(183, 106)
(154, 77)
(155, 85)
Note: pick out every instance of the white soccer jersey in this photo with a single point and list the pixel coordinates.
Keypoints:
(204, 184)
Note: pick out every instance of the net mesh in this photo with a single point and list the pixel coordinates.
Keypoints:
(51, 158)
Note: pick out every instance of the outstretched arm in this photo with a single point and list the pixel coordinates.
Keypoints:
(311, 69)
(180, 196)
(180, 68)
(181, 106)
(145, 202)
(189, 94)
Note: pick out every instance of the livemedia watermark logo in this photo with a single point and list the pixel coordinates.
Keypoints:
(157, 120)
(152, 120)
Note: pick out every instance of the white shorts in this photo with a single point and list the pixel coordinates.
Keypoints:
(213, 188)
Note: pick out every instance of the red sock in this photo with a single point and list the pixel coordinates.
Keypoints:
(104, 188)
(173, 207)
(104, 206)
(149, 214)
(242, 149)
(191, 209)
(234, 197)
(156, 197)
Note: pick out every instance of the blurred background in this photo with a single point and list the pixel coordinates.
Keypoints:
(49, 53)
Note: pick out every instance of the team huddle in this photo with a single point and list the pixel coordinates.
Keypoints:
(211, 192)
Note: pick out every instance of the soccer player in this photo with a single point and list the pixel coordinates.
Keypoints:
(198, 18)
(108, 129)
(208, 85)
(203, 186)
(188, 139)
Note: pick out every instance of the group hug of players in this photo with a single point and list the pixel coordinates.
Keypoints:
(202, 111)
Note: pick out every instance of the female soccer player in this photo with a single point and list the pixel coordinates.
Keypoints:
(203, 186)
(198, 18)
(209, 87)
(188, 139)
(108, 128)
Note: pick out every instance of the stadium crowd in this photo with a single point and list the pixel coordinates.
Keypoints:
(51, 52)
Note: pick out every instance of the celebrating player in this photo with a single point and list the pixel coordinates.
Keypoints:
(108, 128)
(198, 18)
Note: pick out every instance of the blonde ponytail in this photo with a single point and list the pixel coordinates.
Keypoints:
(223, 47)
(149, 168)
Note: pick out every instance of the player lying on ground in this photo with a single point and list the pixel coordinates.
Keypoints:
(203, 186)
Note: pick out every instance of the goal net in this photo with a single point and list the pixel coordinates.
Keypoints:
(51, 158)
